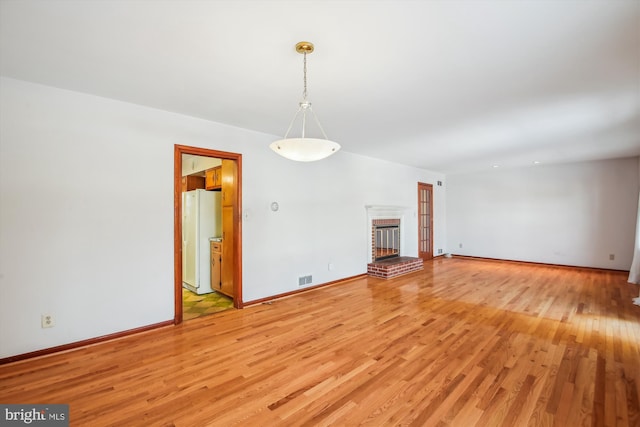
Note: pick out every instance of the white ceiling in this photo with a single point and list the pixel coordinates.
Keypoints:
(450, 86)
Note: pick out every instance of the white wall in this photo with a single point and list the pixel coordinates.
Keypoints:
(570, 214)
(91, 242)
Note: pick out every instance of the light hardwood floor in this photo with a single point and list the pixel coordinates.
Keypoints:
(463, 343)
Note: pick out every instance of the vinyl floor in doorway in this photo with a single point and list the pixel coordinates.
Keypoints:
(194, 305)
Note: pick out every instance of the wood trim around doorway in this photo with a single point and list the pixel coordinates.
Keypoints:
(179, 150)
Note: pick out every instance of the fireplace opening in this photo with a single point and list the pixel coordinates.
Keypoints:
(385, 239)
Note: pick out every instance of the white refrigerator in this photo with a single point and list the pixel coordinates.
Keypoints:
(201, 219)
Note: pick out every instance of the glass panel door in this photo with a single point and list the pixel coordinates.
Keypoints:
(425, 221)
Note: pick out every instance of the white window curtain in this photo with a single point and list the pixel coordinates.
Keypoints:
(634, 273)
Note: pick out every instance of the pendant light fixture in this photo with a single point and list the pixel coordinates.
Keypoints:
(304, 149)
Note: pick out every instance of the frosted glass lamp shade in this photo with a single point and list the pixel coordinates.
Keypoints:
(305, 149)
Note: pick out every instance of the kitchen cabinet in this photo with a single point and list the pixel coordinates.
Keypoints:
(229, 182)
(227, 272)
(216, 265)
(213, 178)
(229, 227)
(192, 182)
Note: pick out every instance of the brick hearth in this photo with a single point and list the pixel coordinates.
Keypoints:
(393, 267)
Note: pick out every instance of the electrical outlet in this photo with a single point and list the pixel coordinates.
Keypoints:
(47, 321)
(330, 266)
(460, 245)
(612, 257)
(439, 251)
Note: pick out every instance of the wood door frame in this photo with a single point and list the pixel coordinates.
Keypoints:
(430, 186)
(179, 150)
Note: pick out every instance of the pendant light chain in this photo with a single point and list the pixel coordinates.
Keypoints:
(305, 104)
(304, 92)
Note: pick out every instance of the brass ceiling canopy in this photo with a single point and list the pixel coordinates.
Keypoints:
(304, 47)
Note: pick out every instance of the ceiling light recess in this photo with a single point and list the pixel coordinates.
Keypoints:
(304, 149)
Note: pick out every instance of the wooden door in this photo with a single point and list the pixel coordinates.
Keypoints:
(425, 221)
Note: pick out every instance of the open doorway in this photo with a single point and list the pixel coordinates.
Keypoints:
(203, 178)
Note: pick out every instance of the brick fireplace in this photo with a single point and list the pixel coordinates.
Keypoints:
(387, 258)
